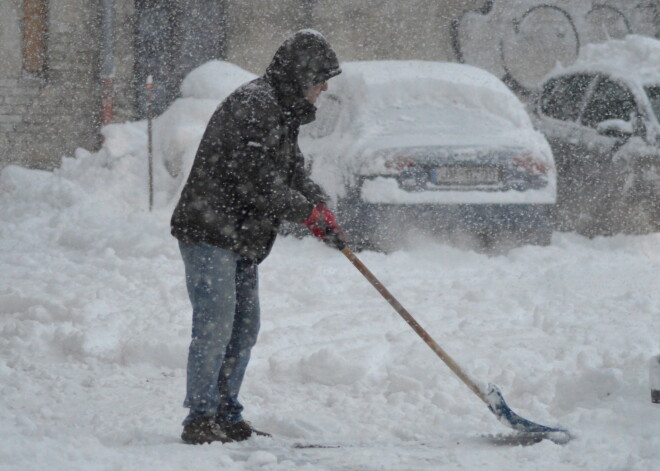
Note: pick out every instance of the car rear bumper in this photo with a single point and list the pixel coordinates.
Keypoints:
(471, 217)
(382, 190)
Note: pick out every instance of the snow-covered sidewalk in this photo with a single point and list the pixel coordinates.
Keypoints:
(95, 323)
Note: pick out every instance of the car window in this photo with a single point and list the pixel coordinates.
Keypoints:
(327, 116)
(550, 96)
(562, 96)
(610, 100)
(654, 97)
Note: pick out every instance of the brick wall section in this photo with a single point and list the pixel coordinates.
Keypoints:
(16, 99)
(64, 114)
(45, 118)
(357, 29)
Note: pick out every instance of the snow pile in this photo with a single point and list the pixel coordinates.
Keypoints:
(95, 324)
(214, 80)
(178, 131)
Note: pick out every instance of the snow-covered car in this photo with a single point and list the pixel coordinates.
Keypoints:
(179, 129)
(601, 117)
(432, 146)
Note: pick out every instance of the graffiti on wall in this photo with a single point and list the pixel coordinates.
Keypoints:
(523, 40)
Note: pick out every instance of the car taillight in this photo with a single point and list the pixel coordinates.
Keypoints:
(530, 164)
(400, 163)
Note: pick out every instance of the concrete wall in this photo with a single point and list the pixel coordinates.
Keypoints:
(521, 41)
(255, 29)
(358, 30)
(124, 87)
(422, 29)
(382, 29)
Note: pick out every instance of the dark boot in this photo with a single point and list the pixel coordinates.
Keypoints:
(241, 430)
(203, 430)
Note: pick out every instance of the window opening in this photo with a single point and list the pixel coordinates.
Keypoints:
(35, 17)
(562, 97)
(610, 100)
(654, 97)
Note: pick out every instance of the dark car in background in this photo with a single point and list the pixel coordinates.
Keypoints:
(601, 117)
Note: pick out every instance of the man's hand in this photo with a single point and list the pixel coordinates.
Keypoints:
(323, 224)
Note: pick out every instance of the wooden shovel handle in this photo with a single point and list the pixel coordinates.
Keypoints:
(414, 324)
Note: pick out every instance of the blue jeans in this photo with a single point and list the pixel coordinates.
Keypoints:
(224, 293)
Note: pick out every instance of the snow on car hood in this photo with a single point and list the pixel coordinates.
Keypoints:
(374, 86)
(449, 125)
(457, 129)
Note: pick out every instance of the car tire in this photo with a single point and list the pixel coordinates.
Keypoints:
(366, 226)
(642, 216)
(540, 237)
(611, 213)
(362, 237)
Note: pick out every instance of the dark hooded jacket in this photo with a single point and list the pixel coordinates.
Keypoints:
(248, 174)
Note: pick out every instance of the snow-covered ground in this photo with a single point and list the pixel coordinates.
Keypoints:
(94, 327)
(95, 324)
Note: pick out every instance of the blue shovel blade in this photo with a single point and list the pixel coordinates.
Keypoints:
(503, 412)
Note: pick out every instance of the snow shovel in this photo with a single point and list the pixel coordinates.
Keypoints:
(528, 432)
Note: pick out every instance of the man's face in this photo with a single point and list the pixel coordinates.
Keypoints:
(312, 93)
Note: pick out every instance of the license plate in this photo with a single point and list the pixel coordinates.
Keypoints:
(465, 175)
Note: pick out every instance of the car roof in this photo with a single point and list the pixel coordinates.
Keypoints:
(634, 59)
(374, 86)
(387, 71)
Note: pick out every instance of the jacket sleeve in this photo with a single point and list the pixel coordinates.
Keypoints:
(303, 182)
(260, 175)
